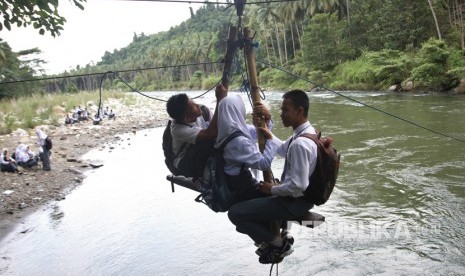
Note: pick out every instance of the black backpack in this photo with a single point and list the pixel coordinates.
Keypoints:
(48, 143)
(214, 190)
(167, 143)
(323, 178)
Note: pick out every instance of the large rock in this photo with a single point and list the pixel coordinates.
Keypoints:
(20, 132)
(409, 86)
(395, 88)
(461, 88)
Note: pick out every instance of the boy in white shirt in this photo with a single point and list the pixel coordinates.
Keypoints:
(287, 200)
(193, 137)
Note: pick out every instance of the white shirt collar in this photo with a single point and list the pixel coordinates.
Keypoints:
(300, 129)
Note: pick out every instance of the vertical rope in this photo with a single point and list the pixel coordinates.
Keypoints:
(271, 269)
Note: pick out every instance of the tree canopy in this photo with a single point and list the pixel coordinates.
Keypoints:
(42, 15)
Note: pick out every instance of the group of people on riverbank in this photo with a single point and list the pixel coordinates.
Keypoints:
(24, 157)
(261, 208)
(79, 115)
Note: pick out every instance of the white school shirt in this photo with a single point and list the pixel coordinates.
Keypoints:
(244, 151)
(2, 160)
(301, 161)
(42, 136)
(21, 153)
(185, 133)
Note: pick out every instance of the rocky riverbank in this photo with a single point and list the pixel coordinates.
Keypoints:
(23, 193)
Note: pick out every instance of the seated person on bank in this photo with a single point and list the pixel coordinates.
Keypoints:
(193, 138)
(69, 120)
(7, 164)
(84, 115)
(25, 157)
(75, 117)
(111, 115)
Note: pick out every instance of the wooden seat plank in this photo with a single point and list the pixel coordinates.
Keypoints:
(310, 219)
(181, 181)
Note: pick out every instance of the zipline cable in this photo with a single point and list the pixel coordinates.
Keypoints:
(214, 3)
(361, 103)
(118, 71)
(137, 91)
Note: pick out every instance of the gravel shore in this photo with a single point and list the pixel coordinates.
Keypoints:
(21, 194)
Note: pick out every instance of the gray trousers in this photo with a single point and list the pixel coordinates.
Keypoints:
(253, 217)
(10, 167)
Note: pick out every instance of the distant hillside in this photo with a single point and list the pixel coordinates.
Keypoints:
(200, 39)
(366, 45)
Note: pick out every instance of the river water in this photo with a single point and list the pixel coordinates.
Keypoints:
(398, 207)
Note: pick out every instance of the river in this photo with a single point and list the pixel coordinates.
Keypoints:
(398, 207)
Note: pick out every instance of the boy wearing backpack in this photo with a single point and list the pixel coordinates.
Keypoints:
(287, 200)
(192, 137)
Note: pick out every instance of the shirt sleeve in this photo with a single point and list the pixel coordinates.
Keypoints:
(253, 132)
(183, 133)
(41, 142)
(242, 151)
(282, 146)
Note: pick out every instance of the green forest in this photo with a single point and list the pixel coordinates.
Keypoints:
(414, 45)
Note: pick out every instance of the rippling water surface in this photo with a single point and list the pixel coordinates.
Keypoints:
(398, 207)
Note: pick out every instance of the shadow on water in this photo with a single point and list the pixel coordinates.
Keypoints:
(398, 207)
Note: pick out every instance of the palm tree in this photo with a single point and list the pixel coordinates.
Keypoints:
(201, 48)
(435, 19)
(211, 40)
(289, 16)
(268, 16)
(257, 23)
(461, 21)
(456, 12)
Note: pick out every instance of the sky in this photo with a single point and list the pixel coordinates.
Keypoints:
(103, 25)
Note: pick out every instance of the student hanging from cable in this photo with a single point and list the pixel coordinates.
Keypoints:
(241, 153)
(192, 138)
(288, 200)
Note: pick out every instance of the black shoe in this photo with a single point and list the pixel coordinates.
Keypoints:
(274, 255)
(285, 235)
(261, 248)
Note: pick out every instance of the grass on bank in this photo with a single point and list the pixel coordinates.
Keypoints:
(49, 109)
